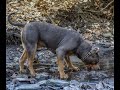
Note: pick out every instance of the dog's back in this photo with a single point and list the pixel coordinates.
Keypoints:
(50, 34)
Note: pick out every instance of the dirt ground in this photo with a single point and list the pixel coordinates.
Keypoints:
(48, 77)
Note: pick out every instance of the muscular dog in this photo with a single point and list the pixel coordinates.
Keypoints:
(62, 41)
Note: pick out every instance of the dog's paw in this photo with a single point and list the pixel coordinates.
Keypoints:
(92, 67)
(95, 67)
(64, 76)
(22, 71)
(74, 68)
(33, 74)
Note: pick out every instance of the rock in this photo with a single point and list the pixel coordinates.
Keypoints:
(107, 35)
(93, 75)
(40, 55)
(74, 82)
(28, 87)
(108, 86)
(99, 86)
(33, 81)
(10, 86)
(106, 52)
(71, 87)
(14, 75)
(102, 75)
(42, 76)
(9, 72)
(24, 80)
(75, 59)
(10, 57)
(16, 67)
(85, 86)
(109, 81)
(50, 83)
(13, 55)
(58, 82)
(43, 82)
(16, 59)
(53, 69)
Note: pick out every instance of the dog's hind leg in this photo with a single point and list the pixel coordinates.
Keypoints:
(22, 61)
(70, 64)
(31, 56)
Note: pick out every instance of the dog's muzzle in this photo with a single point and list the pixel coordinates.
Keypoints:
(92, 67)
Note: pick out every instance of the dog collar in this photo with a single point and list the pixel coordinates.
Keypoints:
(92, 51)
(88, 54)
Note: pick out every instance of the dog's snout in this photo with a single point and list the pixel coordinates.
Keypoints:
(93, 67)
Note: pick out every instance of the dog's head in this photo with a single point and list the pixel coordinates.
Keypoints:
(92, 58)
(89, 55)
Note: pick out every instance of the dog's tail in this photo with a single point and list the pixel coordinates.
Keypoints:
(14, 23)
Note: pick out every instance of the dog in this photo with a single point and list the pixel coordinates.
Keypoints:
(60, 40)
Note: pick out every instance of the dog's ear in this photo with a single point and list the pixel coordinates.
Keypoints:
(95, 49)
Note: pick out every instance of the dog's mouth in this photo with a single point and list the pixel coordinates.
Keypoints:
(90, 67)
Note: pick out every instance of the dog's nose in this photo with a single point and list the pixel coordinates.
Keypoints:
(93, 67)
(89, 68)
(96, 67)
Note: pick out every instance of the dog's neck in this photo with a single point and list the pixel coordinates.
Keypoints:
(83, 49)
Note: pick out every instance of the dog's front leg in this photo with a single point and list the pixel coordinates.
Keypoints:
(70, 64)
(60, 58)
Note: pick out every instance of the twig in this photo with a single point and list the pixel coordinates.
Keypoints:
(112, 13)
(94, 17)
(50, 19)
(107, 5)
(16, 35)
(101, 9)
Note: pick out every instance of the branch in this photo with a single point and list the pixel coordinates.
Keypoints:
(107, 5)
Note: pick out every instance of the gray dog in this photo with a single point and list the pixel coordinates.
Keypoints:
(64, 42)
